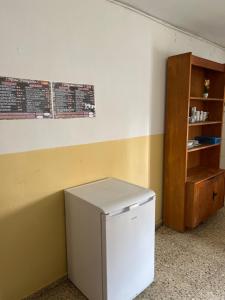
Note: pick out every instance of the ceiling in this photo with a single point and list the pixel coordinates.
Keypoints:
(205, 18)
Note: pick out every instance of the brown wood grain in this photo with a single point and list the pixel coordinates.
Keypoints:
(211, 157)
(203, 146)
(176, 132)
(218, 192)
(206, 99)
(216, 89)
(205, 63)
(193, 160)
(201, 173)
(191, 176)
(197, 82)
(205, 123)
(204, 198)
(199, 202)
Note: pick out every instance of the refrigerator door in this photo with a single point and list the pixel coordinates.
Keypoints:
(128, 251)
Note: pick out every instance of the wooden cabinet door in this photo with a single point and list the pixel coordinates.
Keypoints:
(218, 192)
(204, 199)
(204, 203)
(199, 202)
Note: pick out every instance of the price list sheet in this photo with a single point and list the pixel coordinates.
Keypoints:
(73, 100)
(24, 99)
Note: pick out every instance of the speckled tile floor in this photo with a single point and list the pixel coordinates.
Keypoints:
(188, 266)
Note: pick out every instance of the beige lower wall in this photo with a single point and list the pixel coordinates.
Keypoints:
(156, 171)
(32, 230)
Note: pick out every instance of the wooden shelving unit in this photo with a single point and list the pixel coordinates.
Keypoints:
(193, 181)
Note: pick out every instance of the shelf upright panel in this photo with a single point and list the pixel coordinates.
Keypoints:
(176, 133)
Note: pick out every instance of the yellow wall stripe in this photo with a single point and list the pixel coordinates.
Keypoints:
(32, 230)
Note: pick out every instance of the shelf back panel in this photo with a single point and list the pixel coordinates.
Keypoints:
(206, 130)
(209, 158)
(199, 75)
(215, 109)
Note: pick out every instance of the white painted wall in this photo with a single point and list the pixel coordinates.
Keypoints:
(96, 42)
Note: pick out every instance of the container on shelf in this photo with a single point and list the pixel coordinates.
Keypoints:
(208, 139)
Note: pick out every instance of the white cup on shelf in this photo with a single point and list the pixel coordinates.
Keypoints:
(197, 116)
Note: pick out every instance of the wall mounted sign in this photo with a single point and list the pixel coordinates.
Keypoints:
(24, 99)
(73, 100)
(36, 99)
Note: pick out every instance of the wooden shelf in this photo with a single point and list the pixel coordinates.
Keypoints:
(205, 123)
(202, 146)
(206, 99)
(200, 173)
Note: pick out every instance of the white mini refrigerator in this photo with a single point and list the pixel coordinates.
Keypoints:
(110, 227)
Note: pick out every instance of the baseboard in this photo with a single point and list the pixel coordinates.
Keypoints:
(43, 290)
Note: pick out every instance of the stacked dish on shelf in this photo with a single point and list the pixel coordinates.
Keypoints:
(192, 143)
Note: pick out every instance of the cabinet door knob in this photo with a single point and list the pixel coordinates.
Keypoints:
(214, 195)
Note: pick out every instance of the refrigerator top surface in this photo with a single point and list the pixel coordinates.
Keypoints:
(111, 194)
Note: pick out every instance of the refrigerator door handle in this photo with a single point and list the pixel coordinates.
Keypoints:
(128, 208)
(148, 200)
(118, 212)
(133, 206)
